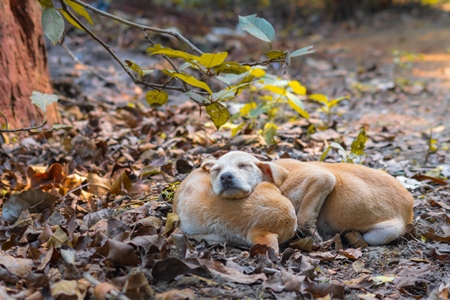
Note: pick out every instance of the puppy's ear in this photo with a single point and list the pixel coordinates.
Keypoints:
(208, 163)
(273, 173)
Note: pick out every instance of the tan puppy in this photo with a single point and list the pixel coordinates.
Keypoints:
(260, 215)
(333, 198)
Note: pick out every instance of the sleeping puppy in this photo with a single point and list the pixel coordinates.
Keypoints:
(253, 212)
(332, 198)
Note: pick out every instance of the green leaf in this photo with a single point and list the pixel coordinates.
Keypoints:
(42, 100)
(158, 49)
(297, 105)
(319, 98)
(302, 51)
(219, 114)
(358, 144)
(210, 60)
(191, 80)
(269, 133)
(258, 27)
(79, 9)
(198, 98)
(263, 108)
(230, 67)
(46, 3)
(71, 20)
(276, 54)
(52, 24)
(156, 98)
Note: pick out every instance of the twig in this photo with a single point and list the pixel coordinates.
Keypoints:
(177, 35)
(23, 129)
(73, 190)
(6, 120)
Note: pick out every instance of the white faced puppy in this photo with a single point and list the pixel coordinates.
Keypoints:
(333, 198)
(258, 214)
(235, 174)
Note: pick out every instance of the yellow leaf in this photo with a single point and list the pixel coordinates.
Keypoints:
(191, 80)
(276, 54)
(257, 72)
(58, 238)
(319, 98)
(71, 21)
(156, 98)
(230, 67)
(133, 66)
(245, 110)
(219, 114)
(46, 3)
(171, 222)
(383, 279)
(80, 10)
(275, 89)
(210, 60)
(297, 105)
(297, 87)
(358, 144)
(334, 102)
(158, 49)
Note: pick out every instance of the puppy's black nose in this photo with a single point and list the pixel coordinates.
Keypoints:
(226, 178)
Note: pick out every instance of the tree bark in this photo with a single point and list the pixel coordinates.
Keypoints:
(23, 64)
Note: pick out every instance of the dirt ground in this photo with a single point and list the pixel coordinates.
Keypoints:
(91, 241)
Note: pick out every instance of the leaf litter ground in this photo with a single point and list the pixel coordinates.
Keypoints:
(92, 219)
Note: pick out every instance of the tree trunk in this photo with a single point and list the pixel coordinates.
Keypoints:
(23, 64)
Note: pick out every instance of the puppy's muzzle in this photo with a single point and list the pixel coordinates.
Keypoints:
(227, 179)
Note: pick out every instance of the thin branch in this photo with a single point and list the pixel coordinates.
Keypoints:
(24, 129)
(177, 35)
(95, 37)
(6, 120)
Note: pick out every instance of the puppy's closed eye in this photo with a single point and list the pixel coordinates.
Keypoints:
(215, 170)
(244, 166)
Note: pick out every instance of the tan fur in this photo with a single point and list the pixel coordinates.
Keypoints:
(264, 217)
(333, 198)
(342, 197)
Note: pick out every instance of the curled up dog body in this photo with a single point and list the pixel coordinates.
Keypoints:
(327, 199)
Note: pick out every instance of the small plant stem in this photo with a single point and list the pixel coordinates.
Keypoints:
(23, 129)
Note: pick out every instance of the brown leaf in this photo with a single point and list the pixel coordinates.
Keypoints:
(98, 186)
(352, 254)
(185, 294)
(305, 244)
(355, 239)
(102, 289)
(440, 255)
(432, 236)
(20, 267)
(70, 289)
(122, 184)
(119, 253)
(322, 290)
(363, 282)
(230, 274)
(171, 267)
(358, 266)
(35, 200)
(55, 174)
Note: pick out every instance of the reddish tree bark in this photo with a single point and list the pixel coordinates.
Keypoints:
(23, 64)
